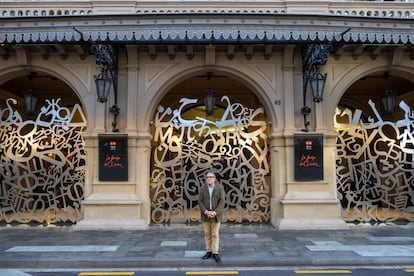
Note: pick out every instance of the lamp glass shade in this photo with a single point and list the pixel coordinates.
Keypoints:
(31, 100)
(209, 101)
(317, 84)
(388, 101)
(103, 87)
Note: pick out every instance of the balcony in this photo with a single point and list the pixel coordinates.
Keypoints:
(379, 9)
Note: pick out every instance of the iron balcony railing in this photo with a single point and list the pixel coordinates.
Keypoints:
(43, 8)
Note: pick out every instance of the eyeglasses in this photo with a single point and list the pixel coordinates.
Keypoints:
(209, 176)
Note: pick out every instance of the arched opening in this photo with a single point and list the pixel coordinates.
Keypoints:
(231, 141)
(41, 150)
(375, 150)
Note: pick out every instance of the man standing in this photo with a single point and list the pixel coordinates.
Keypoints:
(211, 201)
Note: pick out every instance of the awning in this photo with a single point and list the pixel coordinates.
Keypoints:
(206, 28)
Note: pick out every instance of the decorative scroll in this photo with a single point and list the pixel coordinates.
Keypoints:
(42, 165)
(234, 147)
(375, 166)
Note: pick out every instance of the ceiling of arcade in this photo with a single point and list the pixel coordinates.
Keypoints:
(373, 88)
(368, 87)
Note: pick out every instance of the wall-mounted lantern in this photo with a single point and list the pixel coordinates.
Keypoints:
(30, 100)
(314, 58)
(106, 57)
(388, 100)
(103, 85)
(30, 97)
(209, 97)
(317, 83)
(209, 101)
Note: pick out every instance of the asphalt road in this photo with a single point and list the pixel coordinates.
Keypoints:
(241, 272)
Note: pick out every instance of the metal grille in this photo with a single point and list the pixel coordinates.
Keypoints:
(233, 146)
(375, 165)
(42, 165)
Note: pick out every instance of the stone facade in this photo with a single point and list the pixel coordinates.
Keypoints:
(162, 44)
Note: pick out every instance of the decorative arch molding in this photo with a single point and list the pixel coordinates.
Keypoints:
(342, 84)
(251, 79)
(79, 87)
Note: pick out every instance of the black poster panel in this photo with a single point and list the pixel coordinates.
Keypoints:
(113, 157)
(308, 157)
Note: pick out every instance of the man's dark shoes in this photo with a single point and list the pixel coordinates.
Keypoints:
(217, 258)
(207, 256)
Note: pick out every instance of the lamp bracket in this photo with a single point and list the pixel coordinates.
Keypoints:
(314, 56)
(107, 57)
(114, 110)
(306, 110)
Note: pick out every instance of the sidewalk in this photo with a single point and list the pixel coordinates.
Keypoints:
(182, 246)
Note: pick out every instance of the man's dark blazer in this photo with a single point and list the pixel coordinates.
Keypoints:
(218, 198)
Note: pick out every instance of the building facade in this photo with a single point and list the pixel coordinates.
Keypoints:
(201, 85)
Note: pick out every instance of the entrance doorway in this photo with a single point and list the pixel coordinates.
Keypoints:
(231, 141)
(42, 152)
(375, 151)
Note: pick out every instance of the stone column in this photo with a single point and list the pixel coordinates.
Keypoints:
(288, 89)
(278, 179)
(143, 168)
(132, 87)
(111, 204)
(312, 204)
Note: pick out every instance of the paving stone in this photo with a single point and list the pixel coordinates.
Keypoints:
(183, 246)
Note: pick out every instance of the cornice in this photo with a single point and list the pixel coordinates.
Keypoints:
(206, 28)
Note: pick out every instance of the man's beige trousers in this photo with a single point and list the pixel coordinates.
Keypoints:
(211, 235)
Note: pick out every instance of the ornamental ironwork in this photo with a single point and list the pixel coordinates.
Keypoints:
(234, 146)
(42, 165)
(375, 168)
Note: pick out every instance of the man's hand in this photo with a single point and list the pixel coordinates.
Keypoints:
(210, 214)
